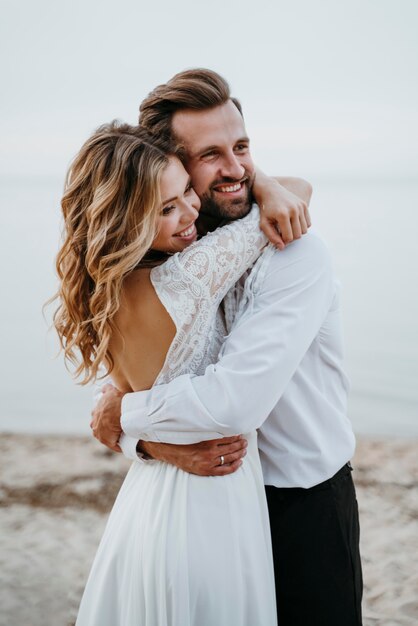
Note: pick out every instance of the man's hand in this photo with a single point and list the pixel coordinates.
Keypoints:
(284, 208)
(204, 458)
(106, 418)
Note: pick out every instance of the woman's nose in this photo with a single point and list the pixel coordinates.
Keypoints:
(191, 208)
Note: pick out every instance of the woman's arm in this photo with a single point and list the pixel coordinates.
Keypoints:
(284, 205)
(299, 187)
(218, 259)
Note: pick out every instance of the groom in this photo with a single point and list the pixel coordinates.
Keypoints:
(279, 371)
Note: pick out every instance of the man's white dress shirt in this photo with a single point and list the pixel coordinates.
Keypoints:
(280, 371)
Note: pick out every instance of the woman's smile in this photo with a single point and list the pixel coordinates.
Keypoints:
(188, 233)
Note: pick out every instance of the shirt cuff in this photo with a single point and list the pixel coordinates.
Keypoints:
(135, 420)
(128, 446)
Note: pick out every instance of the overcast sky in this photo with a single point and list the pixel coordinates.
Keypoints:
(329, 87)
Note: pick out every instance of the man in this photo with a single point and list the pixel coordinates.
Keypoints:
(279, 371)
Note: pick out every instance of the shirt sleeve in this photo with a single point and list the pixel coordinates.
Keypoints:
(257, 362)
(128, 446)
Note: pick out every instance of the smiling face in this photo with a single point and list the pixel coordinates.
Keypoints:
(217, 158)
(179, 210)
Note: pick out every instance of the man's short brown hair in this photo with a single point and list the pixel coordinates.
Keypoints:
(197, 89)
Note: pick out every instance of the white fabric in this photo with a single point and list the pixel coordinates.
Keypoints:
(280, 370)
(180, 549)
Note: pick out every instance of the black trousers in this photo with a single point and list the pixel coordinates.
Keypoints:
(315, 537)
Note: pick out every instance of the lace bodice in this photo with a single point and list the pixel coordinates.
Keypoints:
(191, 286)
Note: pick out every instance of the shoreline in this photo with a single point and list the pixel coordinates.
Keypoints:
(55, 492)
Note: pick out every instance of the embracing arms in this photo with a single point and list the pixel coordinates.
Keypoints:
(257, 361)
(282, 209)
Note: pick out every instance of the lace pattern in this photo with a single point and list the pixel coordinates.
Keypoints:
(191, 285)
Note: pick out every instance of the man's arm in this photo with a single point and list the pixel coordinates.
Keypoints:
(257, 362)
(218, 457)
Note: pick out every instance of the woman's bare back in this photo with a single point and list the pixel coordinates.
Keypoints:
(144, 334)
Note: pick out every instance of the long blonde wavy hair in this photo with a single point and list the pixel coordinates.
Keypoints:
(111, 206)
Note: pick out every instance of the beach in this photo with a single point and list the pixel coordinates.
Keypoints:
(56, 491)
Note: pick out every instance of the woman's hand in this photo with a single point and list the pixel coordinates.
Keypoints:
(284, 214)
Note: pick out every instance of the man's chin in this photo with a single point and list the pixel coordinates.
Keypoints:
(226, 209)
(235, 209)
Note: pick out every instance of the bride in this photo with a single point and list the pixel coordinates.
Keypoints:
(140, 296)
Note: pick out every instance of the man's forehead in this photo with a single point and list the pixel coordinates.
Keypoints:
(219, 126)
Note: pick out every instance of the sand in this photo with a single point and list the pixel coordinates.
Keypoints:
(55, 493)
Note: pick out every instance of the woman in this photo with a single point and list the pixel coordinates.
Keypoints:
(140, 296)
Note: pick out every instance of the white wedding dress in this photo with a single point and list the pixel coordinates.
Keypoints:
(181, 549)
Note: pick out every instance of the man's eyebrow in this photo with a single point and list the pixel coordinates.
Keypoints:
(189, 180)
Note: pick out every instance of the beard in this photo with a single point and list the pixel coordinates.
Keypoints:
(223, 208)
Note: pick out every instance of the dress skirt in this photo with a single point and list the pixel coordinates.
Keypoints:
(184, 550)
